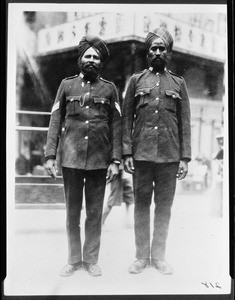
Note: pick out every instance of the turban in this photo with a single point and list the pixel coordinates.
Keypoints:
(161, 33)
(95, 42)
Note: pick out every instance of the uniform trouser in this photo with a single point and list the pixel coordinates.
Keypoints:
(160, 178)
(94, 182)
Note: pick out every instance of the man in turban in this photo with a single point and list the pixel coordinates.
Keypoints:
(156, 147)
(86, 115)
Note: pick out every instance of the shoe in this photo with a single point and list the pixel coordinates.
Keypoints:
(69, 269)
(162, 266)
(93, 269)
(138, 266)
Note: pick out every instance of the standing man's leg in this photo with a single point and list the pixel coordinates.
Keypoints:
(164, 191)
(73, 190)
(94, 193)
(143, 188)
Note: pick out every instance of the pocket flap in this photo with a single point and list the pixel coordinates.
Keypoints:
(101, 101)
(172, 94)
(73, 98)
(142, 92)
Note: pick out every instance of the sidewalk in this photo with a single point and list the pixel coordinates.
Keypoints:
(196, 249)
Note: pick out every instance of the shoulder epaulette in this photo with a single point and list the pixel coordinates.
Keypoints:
(105, 80)
(172, 73)
(71, 77)
(141, 72)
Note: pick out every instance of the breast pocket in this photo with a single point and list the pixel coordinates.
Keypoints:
(101, 107)
(171, 100)
(142, 97)
(73, 107)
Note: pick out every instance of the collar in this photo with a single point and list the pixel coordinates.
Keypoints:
(88, 81)
(157, 73)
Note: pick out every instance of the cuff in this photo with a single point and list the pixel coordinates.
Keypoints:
(50, 157)
(116, 161)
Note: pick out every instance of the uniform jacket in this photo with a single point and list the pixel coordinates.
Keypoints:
(156, 118)
(91, 118)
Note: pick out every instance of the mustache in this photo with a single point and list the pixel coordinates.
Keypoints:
(157, 57)
(91, 65)
(88, 66)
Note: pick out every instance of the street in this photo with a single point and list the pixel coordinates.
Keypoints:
(197, 249)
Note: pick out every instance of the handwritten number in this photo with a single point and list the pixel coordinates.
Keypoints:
(207, 285)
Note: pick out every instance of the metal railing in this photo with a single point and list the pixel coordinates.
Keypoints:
(32, 128)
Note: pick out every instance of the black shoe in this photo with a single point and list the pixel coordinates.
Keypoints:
(138, 266)
(93, 269)
(162, 266)
(69, 269)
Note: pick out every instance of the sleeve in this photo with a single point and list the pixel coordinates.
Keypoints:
(128, 118)
(55, 125)
(184, 118)
(115, 127)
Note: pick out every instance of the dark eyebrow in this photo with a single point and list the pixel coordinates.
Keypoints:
(158, 47)
(89, 55)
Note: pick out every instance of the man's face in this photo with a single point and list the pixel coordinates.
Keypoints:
(157, 55)
(90, 63)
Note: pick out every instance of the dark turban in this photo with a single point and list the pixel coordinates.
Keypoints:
(161, 33)
(95, 42)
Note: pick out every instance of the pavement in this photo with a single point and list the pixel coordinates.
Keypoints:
(197, 249)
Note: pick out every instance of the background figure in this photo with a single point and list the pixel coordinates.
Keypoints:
(156, 147)
(121, 191)
(88, 108)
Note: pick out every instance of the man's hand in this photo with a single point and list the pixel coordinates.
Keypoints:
(183, 170)
(51, 166)
(112, 172)
(128, 164)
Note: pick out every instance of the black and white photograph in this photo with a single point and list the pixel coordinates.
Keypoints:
(117, 150)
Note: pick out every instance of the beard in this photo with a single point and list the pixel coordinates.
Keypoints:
(90, 70)
(157, 63)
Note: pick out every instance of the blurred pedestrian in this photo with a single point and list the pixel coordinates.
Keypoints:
(121, 191)
(88, 108)
(156, 147)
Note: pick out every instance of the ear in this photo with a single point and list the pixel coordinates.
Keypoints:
(147, 53)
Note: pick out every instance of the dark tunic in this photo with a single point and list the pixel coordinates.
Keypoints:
(90, 115)
(156, 118)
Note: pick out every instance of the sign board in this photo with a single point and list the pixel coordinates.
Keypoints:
(123, 26)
